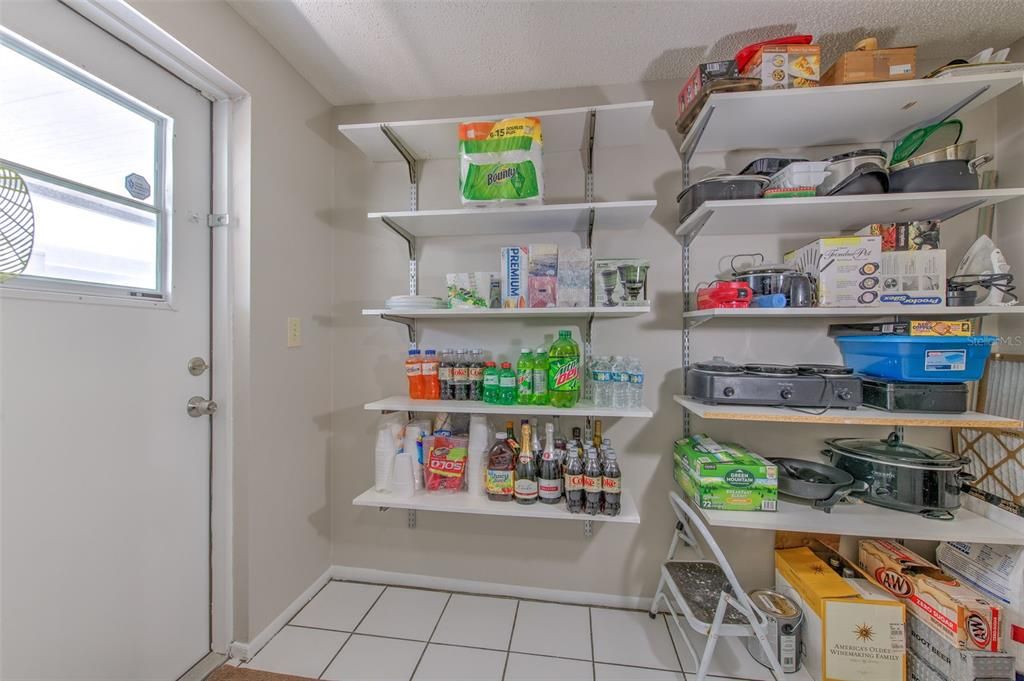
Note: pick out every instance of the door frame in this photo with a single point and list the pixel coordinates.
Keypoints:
(230, 204)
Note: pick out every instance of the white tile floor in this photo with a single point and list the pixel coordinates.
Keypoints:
(355, 632)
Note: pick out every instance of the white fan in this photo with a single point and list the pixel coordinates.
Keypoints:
(983, 258)
(17, 224)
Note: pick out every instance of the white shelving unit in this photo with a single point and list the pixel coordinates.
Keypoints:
(851, 115)
(412, 142)
(845, 114)
(461, 502)
(820, 215)
(861, 519)
(494, 314)
(698, 317)
(618, 125)
(861, 416)
(564, 217)
(402, 403)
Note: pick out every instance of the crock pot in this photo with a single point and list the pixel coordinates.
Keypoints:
(901, 476)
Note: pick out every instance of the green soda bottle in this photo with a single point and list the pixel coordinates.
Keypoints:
(524, 377)
(540, 377)
(564, 371)
(506, 384)
(490, 383)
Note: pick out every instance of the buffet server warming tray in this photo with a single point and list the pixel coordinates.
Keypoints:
(947, 398)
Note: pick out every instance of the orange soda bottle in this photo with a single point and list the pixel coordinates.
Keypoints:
(414, 372)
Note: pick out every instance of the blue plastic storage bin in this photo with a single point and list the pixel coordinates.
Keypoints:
(923, 359)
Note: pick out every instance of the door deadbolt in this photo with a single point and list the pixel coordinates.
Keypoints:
(199, 406)
(197, 366)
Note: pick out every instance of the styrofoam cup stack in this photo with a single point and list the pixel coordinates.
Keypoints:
(402, 478)
(479, 441)
(384, 460)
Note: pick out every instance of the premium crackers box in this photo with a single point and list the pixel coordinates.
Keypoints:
(513, 276)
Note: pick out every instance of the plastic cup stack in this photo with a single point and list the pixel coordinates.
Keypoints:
(402, 478)
(413, 432)
(479, 441)
(384, 460)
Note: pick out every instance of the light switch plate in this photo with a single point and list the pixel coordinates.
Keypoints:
(294, 332)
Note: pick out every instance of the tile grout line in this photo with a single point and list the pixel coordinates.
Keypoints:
(672, 640)
(288, 623)
(432, 632)
(508, 650)
(593, 655)
(350, 634)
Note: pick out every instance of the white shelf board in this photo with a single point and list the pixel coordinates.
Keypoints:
(402, 403)
(461, 502)
(861, 416)
(557, 217)
(815, 215)
(842, 114)
(830, 313)
(861, 519)
(513, 313)
(563, 130)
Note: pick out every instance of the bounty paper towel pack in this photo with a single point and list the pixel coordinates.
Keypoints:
(500, 161)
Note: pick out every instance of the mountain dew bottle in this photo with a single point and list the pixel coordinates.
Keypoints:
(564, 371)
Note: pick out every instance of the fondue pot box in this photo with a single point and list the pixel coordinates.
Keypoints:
(956, 612)
(846, 636)
(846, 269)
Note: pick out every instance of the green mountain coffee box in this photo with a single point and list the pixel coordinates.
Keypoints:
(725, 476)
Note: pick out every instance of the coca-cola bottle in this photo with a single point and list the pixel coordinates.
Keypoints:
(611, 483)
(574, 480)
(460, 376)
(592, 483)
(526, 471)
(549, 477)
(444, 374)
(476, 375)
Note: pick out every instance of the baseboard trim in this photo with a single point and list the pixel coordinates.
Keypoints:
(246, 651)
(357, 574)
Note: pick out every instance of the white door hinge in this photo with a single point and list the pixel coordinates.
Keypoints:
(217, 220)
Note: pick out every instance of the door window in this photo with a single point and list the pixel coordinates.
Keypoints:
(95, 162)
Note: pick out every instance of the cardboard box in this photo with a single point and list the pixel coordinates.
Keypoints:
(872, 66)
(845, 268)
(513, 276)
(542, 275)
(957, 612)
(905, 236)
(725, 476)
(701, 76)
(952, 663)
(469, 289)
(785, 66)
(863, 639)
(608, 289)
(941, 328)
(813, 585)
(997, 572)
(574, 267)
(913, 278)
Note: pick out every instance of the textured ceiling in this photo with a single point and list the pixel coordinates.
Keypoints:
(378, 51)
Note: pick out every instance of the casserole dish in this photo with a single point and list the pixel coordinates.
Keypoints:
(903, 477)
(719, 188)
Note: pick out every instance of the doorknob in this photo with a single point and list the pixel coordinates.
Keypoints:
(198, 406)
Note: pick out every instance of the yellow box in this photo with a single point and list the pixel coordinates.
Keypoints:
(811, 577)
(938, 327)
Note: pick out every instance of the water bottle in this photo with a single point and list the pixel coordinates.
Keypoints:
(620, 383)
(601, 377)
(636, 383)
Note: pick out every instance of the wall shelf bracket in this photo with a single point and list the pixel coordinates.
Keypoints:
(409, 324)
(410, 162)
(411, 519)
(588, 528)
(410, 242)
(588, 156)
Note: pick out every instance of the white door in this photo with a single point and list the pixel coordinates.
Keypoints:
(105, 477)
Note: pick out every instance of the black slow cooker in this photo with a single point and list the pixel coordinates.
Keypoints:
(902, 476)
